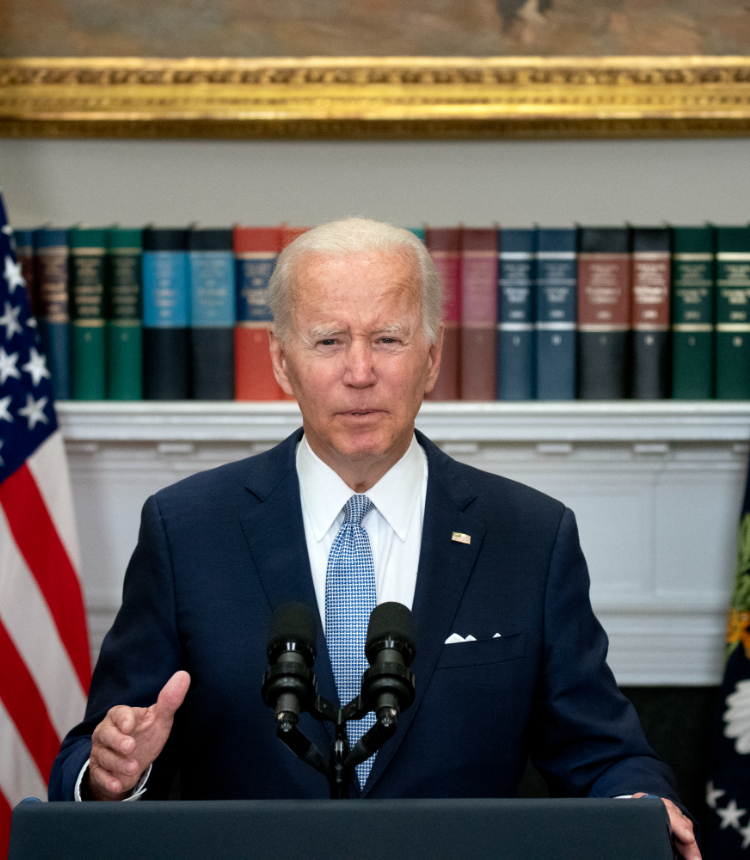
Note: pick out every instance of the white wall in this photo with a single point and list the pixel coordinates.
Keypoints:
(441, 182)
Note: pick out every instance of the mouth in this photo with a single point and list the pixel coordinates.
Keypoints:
(360, 413)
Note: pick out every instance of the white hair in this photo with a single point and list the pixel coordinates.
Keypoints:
(354, 236)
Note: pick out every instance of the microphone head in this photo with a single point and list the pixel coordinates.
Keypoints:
(294, 627)
(391, 626)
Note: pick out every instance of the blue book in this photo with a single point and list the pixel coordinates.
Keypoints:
(51, 258)
(166, 314)
(556, 305)
(212, 313)
(516, 307)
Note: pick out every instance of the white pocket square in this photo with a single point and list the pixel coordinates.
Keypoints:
(454, 638)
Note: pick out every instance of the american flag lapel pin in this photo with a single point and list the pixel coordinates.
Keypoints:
(460, 537)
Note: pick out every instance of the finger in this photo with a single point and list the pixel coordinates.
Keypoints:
(110, 737)
(172, 695)
(681, 828)
(116, 765)
(123, 718)
(104, 783)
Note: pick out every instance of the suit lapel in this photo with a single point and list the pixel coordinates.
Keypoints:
(275, 534)
(444, 570)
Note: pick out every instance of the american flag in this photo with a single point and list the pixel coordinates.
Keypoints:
(44, 652)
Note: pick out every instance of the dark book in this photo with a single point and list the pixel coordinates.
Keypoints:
(556, 314)
(25, 256)
(693, 312)
(166, 314)
(255, 253)
(212, 313)
(651, 342)
(516, 310)
(478, 314)
(603, 312)
(87, 248)
(124, 313)
(51, 276)
(444, 245)
(733, 313)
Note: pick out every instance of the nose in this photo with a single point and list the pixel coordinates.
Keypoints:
(359, 371)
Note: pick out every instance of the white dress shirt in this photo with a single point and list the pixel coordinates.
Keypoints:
(394, 525)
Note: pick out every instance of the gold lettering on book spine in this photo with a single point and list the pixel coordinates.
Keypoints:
(366, 97)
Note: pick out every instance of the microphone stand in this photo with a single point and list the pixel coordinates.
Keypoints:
(342, 759)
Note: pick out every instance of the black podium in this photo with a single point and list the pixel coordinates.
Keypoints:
(357, 830)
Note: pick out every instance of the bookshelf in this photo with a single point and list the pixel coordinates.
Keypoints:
(656, 487)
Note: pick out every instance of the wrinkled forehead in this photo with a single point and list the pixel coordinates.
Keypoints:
(313, 272)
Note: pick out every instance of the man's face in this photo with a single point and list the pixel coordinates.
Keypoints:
(357, 359)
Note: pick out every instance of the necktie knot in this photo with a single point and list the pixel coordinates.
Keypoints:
(356, 509)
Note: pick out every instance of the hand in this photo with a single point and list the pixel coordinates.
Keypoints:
(681, 828)
(128, 740)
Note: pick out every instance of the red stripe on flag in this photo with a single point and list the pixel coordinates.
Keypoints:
(41, 547)
(26, 707)
(5, 813)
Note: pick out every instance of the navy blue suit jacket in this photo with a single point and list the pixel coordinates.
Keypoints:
(219, 551)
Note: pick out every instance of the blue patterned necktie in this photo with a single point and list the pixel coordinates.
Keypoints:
(350, 598)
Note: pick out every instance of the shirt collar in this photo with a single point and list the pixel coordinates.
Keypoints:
(395, 495)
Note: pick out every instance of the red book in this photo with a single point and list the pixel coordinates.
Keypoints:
(255, 253)
(603, 312)
(444, 245)
(478, 314)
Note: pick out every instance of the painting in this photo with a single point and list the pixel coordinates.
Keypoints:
(374, 68)
(375, 28)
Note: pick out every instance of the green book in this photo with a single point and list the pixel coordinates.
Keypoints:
(124, 315)
(87, 339)
(693, 309)
(733, 313)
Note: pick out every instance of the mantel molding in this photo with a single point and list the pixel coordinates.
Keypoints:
(534, 422)
(375, 97)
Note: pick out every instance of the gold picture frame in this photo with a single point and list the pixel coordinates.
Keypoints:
(370, 98)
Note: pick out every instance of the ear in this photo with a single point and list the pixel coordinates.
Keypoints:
(278, 359)
(434, 359)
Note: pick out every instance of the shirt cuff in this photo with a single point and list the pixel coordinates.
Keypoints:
(139, 789)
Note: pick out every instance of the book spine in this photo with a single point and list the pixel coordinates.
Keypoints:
(515, 330)
(478, 314)
(87, 327)
(51, 262)
(25, 256)
(693, 291)
(603, 325)
(254, 376)
(732, 322)
(125, 318)
(212, 290)
(166, 344)
(444, 245)
(650, 314)
(556, 318)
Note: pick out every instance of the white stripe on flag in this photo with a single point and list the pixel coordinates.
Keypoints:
(19, 775)
(49, 467)
(26, 617)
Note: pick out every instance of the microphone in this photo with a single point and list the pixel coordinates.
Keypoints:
(289, 682)
(388, 685)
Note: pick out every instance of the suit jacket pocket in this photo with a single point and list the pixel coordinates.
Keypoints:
(485, 651)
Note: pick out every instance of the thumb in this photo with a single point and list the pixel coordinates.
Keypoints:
(172, 695)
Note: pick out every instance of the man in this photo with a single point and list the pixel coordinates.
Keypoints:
(357, 340)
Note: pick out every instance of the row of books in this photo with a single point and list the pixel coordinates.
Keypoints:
(549, 314)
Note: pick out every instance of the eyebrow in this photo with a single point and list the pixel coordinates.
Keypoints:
(322, 332)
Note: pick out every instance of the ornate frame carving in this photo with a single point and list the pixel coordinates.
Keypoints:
(366, 97)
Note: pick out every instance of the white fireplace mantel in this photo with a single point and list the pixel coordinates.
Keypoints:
(656, 487)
